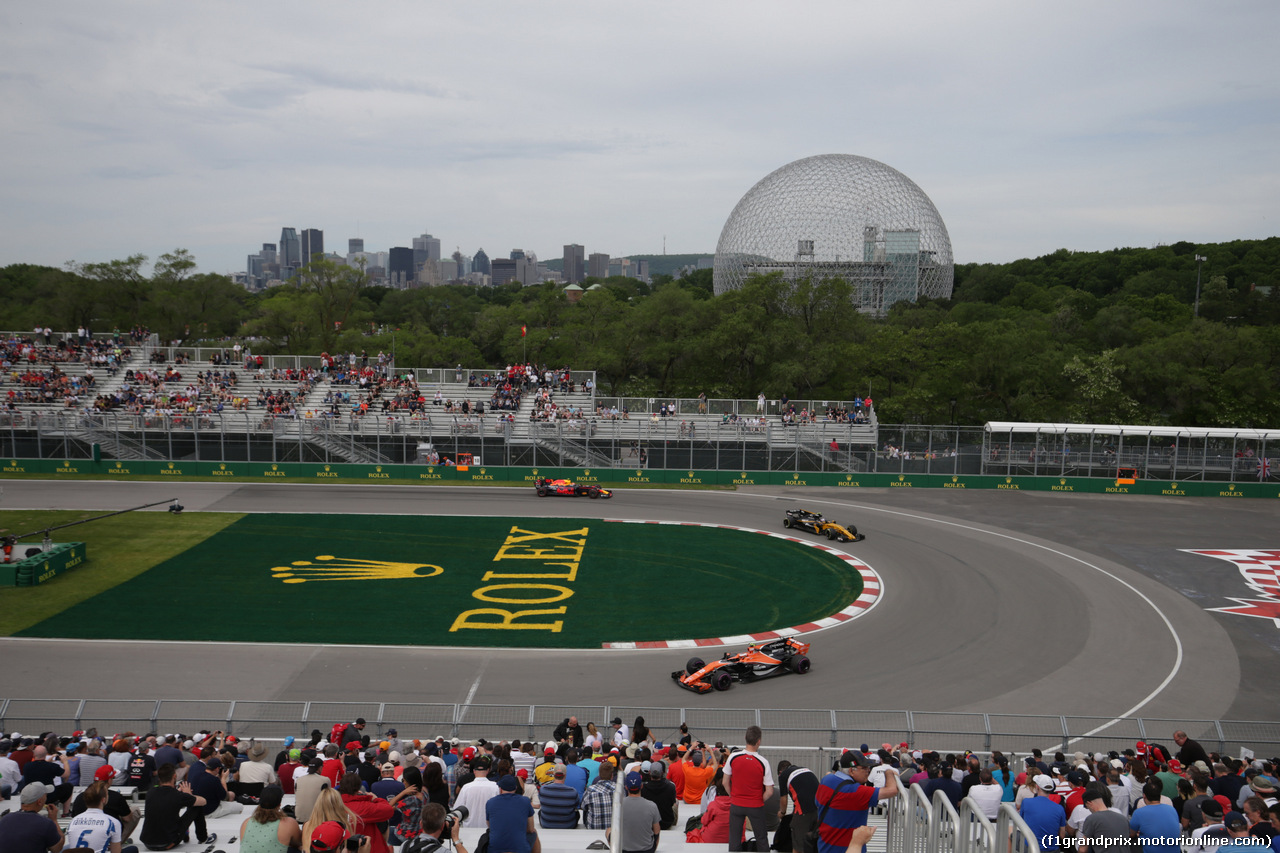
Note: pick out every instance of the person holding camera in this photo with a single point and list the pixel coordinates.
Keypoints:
(437, 825)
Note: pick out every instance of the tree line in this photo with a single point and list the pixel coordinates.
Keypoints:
(1093, 337)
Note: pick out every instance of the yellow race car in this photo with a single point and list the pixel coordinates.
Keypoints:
(813, 522)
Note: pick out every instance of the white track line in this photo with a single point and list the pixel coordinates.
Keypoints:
(1177, 640)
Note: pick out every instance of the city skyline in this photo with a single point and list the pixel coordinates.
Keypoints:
(1032, 127)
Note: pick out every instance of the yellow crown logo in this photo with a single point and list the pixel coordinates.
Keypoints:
(222, 466)
(378, 468)
(170, 464)
(690, 473)
(330, 568)
(1008, 479)
(1173, 485)
(119, 464)
(901, 478)
(481, 470)
(955, 479)
(586, 472)
(639, 473)
(326, 467)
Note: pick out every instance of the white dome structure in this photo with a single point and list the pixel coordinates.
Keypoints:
(839, 215)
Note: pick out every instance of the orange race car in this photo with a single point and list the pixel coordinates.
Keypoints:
(776, 657)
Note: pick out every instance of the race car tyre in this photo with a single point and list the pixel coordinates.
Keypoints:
(593, 493)
(542, 492)
(831, 534)
(786, 522)
(694, 665)
(799, 664)
(853, 531)
(722, 680)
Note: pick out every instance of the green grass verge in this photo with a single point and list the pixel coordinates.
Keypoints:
(459, 581)
(119, 548)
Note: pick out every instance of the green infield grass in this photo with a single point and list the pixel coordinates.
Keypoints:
(524, 582)
(119, 548)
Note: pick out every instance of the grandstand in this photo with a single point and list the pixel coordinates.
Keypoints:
(921, 818)
(137, 400)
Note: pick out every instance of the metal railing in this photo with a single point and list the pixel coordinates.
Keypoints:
(806, 730)
(917, 824)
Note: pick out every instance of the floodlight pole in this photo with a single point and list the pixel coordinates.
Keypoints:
(1200, 259)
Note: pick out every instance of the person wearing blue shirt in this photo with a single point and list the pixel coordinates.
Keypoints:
(1043, 815)
(1156, 823)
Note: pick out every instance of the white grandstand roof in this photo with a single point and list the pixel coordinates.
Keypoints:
(1124, 430)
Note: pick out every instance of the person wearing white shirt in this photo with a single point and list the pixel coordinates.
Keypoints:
(621, 733)
(987, 794)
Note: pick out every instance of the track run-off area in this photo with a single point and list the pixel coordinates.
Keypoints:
(1000, 602)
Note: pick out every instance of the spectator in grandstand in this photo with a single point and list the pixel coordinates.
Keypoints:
(715, 818)
(115, 804)
(269, 829)
(170, 811)
(257, 770)
(48, 769)
(698, 773)
(1189, 751)
(1104, 827)
(799, 785)
(592, 738)
(575, 775)
(1157, 824)
(569, 731)
(1227, 781)
(409, 802)
(329, 809)
(34, 827)
(843, 799)
(1255, 810)
(436, 827)
(1213, 827)
(1192, 816)
(940, 779)
(621, 734)
(559, 802)
(307, 788)
(1043, 812)
(10, 771)
(987, 794)
(660, 791)
(749, 780)
(476, 793)
(640, 819)
(90, 761)
(369, 811)
(597, 803)
(509, 816)
(94, 829)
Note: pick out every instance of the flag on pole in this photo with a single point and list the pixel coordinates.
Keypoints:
(1264, 469)
(523, 330)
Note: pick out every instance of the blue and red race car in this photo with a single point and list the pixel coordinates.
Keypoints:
(569, 489)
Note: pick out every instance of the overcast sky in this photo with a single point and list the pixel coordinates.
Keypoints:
(140, 127)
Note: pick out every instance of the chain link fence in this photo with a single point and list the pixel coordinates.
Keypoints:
(789, 733)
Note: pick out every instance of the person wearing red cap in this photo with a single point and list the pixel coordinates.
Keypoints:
(115, 806)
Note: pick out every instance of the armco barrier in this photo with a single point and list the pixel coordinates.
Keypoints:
(622, 477)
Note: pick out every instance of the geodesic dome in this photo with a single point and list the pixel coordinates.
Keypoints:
(839, 215)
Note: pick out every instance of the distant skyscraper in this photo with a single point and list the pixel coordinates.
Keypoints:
(480, 263)
(425, 248)
(355, 244)
(312, 244)
(598, 265)
(268, 253)
(573, 266)
(290, 248)
(400, 266)
(504, 270)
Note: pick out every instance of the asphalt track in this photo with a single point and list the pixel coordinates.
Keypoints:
(1021, 603)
